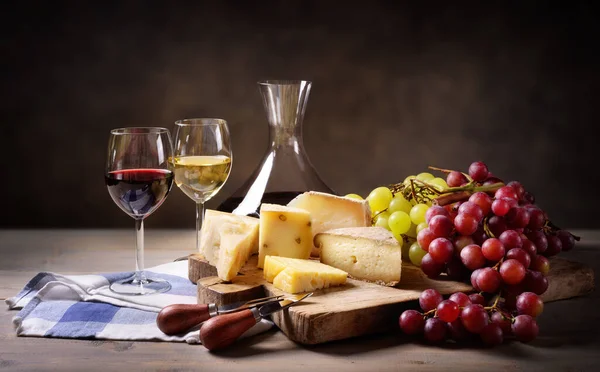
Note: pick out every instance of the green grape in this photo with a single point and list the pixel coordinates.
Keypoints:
(439, 182)
(381, 220)
(400, 240)
(399, 203)
(399, 222)
(354, 196)
(412, 232)
(425, 176)
(421, 226)
(379, 198)
(408, 178)
(416, 254)
(417, 213)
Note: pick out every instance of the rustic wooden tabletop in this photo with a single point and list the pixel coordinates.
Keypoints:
(569, 330)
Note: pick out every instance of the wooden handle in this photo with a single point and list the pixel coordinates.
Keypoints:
(221, 331)
(175, 319)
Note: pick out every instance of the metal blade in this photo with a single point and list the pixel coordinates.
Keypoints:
(241, 305)
(275, 306)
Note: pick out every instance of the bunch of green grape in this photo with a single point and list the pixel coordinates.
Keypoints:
(401, 214)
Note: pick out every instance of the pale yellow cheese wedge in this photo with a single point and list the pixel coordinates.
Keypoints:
(294, 275)
(367, 253)
(329, 212)
(284, 231)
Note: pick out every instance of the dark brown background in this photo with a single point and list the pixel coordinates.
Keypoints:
(397, 87)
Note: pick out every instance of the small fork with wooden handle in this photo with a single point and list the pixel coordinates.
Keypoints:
(178, 318)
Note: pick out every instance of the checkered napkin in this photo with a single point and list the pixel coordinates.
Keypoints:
(82, 306)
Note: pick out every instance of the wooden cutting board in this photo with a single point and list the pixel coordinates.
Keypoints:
(358, 308)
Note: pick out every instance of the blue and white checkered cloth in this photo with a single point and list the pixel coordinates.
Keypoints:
(83, 307)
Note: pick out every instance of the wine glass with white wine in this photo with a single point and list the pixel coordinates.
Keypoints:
(202, 161)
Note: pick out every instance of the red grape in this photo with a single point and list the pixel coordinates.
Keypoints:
(411, 322)
(539, 239)
(478, 171)
(462, 241)
(460, 298)
(541, 264)
(500, 207)
(492, 334)
(477, 299)
(537, 219)
(457, 330)
(448, 311)
(567, 240)
(435, 330)
(506, 192)
(465, 224)
(525, 328)
(497, 225)
(483, 200)
(424, 238)
(479, 236)
(528, 198)
(441, 250)
(529, 248)
(554, 246)
(430, 299)
(530, 304)
(512, 271)
(488, 280)
(474, 318)
(519, 189)
(501, 321)
(455, 179)
(519, 255)
(430, 267)
(493, 249)
(536, 282)
(435, 210)
(511, 239)
(472, 257)
(471, 209)
(441, 226)
(474, 276)
(517, 217)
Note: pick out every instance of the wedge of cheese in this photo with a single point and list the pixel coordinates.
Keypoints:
(293, 275)
(366, 253)
(329, 212)
(284, 231)
(227, 241)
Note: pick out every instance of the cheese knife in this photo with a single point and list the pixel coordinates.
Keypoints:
(178, 318)
(221, 331)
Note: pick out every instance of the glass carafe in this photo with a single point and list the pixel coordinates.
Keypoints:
(285, 170)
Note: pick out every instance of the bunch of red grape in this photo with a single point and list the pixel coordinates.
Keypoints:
(494, 235)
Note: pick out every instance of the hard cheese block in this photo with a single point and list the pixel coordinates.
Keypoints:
(284, 231)
(227, 241)
(329, 211)
(295, 275)
(366, 253)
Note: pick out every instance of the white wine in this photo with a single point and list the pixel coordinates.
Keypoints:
(201, 177)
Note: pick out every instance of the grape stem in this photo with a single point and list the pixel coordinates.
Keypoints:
(459, 193)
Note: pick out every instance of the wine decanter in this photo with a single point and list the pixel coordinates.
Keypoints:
(286, 170)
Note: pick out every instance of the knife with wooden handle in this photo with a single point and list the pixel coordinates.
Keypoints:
(178, 318)
(221, 331)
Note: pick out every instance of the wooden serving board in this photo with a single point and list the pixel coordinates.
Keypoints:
(358, 308)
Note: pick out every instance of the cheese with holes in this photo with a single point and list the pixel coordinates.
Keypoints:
(329, 212)
(284, 231)
(293, 275)
(227, 241)
(366, 253)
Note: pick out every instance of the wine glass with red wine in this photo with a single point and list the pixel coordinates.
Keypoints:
(139, 177)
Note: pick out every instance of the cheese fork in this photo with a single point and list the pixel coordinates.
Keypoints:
(221, 331)
(178, 318)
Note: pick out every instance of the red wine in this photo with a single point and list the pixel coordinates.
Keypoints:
(139, 192)
(281, 197)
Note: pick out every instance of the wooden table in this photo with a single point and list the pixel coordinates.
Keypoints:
(569, 330)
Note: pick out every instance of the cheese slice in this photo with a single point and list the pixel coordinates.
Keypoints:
(227, 241)
(293, 275)
(366, 253)
(284, 231)
(329, 212)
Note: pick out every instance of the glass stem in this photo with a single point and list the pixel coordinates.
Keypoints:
(199, 220)
(140, 277)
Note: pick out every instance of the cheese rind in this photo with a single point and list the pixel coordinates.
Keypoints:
(227, 241)
(366, 253)
(294, 275)
(284, 231)
(329, 212)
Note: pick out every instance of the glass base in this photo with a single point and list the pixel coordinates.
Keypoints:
(134, 287)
